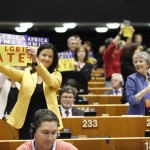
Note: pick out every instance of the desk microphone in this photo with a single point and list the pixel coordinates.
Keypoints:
(4, 119)
(108, 142)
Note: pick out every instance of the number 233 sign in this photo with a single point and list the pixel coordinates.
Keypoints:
(89, 123)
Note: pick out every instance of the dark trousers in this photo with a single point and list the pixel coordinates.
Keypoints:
(24, 132)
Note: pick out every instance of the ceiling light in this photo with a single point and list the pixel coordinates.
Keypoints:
(20, 29)
(112, 25)
(26, 25)
(101, 29)
(60, 29)
(69, 25)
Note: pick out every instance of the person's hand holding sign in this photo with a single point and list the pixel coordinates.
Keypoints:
(33, 53)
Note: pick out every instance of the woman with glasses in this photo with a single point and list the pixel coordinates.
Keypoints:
(45, 129)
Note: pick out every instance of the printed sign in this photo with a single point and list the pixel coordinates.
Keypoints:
(127, 32)
(90, 58)
(13, 48)
(12, 39)
(37, 41)
(14, 55)
(24, 40)
(66, 61)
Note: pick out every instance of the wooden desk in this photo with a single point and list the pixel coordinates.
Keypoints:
(5, 133)
(134, 143)
(113, 126)
(96, 84)
(99, 90)
(103, 99)
(111, 109)
(99, 70)
(99, 79)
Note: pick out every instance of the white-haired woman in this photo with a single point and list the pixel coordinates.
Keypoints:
(138, 85)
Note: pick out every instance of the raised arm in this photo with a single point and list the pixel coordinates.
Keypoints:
(118, 36)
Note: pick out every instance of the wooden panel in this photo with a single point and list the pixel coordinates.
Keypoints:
(99, 70)
(113, 126)
(111, 109)
(145, 144)
(103, 99)
(97, 74)
(5, 133)
(99, 79)
(96, 84)
(134, 143)
(98, 90)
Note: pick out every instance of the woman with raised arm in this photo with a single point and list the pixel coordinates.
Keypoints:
(138, 86)
(38, 87)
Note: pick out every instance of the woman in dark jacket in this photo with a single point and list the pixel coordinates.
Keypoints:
(83, 70)
(127, 67)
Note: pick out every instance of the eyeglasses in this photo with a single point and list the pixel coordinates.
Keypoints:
(67, 97)
(53, 135)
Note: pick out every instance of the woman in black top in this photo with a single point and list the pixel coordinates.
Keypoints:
(83, 70)
(127, 67)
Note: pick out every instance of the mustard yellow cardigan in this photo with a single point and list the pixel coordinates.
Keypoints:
(28, 81)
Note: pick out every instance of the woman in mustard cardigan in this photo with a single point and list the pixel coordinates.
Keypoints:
(38, 87)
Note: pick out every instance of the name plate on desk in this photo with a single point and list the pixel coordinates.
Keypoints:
(89, 123)
(147, 123)
(145, 144)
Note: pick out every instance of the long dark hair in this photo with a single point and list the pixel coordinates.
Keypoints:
(127, 52)
(54, 64)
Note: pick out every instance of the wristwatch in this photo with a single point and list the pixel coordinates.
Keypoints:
(119, 35)
(36, 64)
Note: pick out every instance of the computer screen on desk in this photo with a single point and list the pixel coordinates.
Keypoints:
(90, 113)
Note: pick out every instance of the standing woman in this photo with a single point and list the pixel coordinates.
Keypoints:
(38, 87)
(138, 85)
(127, 66)
(83, 70)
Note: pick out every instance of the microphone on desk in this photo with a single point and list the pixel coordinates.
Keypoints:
(4, 119)
(108, 142)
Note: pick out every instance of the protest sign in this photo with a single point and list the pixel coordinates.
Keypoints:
(66, 61)
(14, 55)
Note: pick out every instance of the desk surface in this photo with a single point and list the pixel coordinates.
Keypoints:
(103, 99)
(96, 84)
(111, 109)
(99, 90)
(93, 143)
(104, 126)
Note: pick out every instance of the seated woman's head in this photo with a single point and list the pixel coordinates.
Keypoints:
(81, 53)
